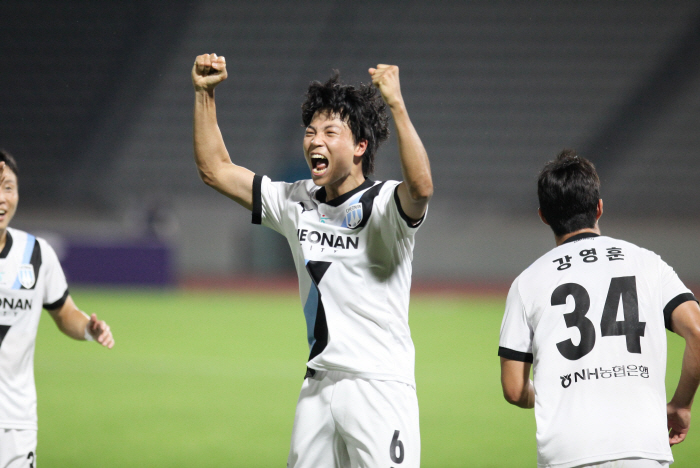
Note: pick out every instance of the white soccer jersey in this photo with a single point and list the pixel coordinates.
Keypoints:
(353, 258)
(590, 316)
(30, 278)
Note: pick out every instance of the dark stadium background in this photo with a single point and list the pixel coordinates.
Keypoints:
(96, 105)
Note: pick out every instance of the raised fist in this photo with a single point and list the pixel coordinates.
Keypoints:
(208, 71)
(386, 79)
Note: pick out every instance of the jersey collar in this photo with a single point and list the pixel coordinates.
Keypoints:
(321, 193)
(8, 245)
(583, 235)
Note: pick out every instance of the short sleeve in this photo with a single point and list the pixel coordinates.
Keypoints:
(55, 286)
(269, 202)
(673, 291)
(516, 335)
(392, 214)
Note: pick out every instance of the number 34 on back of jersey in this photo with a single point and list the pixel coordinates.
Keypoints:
(623, 289)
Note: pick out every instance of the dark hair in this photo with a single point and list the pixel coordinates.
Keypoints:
(9, 161)
(569, 190)
(362, 108)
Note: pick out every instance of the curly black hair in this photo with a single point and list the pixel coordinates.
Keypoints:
(362, 108)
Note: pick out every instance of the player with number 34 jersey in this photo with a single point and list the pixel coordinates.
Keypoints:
(591, 316)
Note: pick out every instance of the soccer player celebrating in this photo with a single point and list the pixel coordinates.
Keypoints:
(352, 240)
(30, 278)
(590, 317)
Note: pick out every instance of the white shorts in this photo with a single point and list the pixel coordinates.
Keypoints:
(628, 463)
(17, 448)
(343, 421)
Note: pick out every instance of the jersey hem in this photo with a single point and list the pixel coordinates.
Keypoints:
(366, 375)
(18, 425)
(607, 458)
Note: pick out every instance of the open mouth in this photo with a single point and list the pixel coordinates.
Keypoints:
(319, 164)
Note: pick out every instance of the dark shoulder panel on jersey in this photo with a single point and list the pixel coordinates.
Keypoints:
(257, 199)
(59, 303)
(35, 261)
(513, 355)
(673, 303)
(410, 222)
(337, 201)
(8, 245)
(367, 202)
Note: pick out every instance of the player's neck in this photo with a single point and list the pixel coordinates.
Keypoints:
(561, 239)
(339, 188)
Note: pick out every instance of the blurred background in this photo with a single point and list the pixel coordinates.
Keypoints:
(96, 103)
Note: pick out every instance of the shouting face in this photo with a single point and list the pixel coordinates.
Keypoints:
(333, 156)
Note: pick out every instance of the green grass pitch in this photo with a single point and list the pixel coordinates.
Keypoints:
(212, 379)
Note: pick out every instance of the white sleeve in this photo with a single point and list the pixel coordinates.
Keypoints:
(673, 291)
(392, 213)
(55, 285)
(269, 202)
(516, 335)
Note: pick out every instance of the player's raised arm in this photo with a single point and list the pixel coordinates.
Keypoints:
(213, 161)
(76, 324)
(685, 320)
(417, 186)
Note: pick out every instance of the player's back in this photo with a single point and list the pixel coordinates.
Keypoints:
(595, 309)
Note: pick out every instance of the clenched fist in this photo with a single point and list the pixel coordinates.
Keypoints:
(208, 71)
(386, 79)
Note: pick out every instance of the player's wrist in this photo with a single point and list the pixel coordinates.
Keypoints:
(396, 105)
(677, 404)
(87, 335)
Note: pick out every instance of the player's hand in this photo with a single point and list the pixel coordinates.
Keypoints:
(678, 423)
(100, 331)
(208, 71)
(386, 79)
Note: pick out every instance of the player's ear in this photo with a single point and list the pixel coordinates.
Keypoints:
(539, 212)
(599, 209)
(361, 147)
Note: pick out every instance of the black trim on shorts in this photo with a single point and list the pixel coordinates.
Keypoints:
(257, 199)
(59, 303)
(8, 245)
(673, 303)
(412, 223)
(513, 355)
(583, 235)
